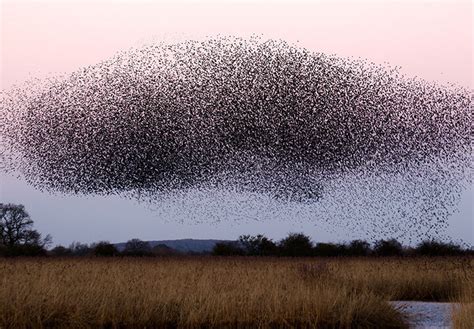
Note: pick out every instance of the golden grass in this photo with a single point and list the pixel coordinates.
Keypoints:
(422, 279)
(220, 292)
(463, 317)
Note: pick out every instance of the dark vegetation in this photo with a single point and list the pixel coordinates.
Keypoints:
(18, 238)
(300, 245)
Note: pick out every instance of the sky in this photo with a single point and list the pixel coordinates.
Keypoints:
(428, 39)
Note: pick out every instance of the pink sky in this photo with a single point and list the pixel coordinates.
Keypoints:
(430, 39)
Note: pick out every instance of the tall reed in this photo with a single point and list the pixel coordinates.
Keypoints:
(218, 292)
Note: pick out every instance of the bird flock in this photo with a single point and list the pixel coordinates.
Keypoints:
(252, 116)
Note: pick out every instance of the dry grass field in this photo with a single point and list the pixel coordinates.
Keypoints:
(226, 292)
(463, 318)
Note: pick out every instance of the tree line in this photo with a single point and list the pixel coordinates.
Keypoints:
(18, 238)
(133, 248)
(300, 245)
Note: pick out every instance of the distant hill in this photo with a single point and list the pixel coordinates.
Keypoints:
(183, 245)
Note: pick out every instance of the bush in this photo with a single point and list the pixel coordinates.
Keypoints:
(296, 244)
(227, 249)
(28, 250)
(137, 248)
(328, 250)
(80, 249)
(437, 248)
(258, 245)
(60, 251)
(388, 248)
(358, 248)
(105, 249)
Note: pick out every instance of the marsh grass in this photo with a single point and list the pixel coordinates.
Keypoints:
(421, 279)
(220, 292)
(463, 317)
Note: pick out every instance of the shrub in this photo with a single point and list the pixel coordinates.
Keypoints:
(258, 245)
(328, 250)
(437, 248)
(80, 249)
(28, 250)
(227, 249)
(60, 251)
(296, 244)
(137, 247)
(105, 249)
(388, 248)
(358, 248)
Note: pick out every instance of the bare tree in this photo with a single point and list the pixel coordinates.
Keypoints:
(16, 227)
(137, 247)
